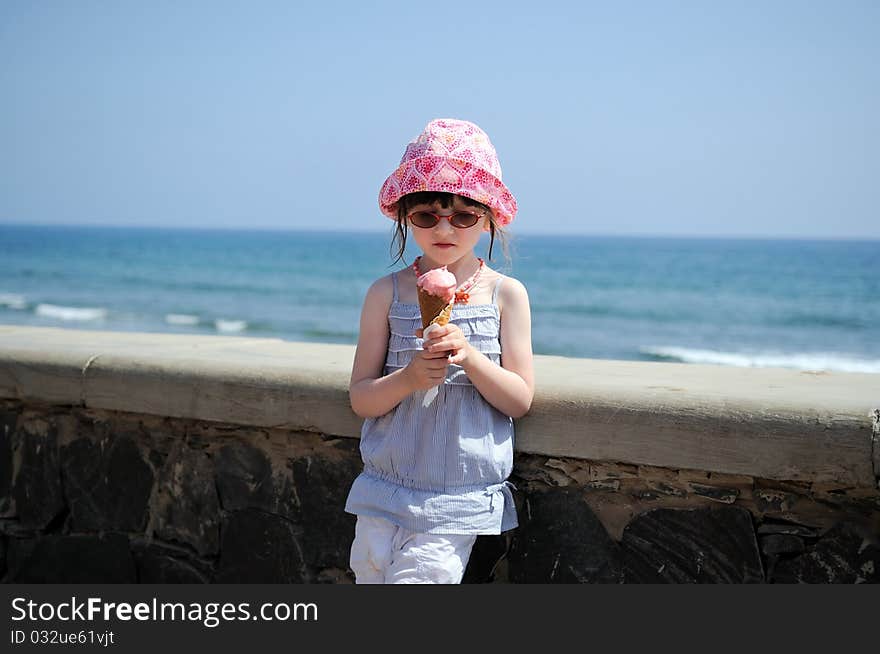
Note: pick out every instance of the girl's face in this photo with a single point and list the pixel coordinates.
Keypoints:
(443, 243)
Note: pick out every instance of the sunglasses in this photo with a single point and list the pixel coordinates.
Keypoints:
(460, 219)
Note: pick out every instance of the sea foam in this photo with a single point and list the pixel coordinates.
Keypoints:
(71, 314)
(181, 319)
(831, 361)
(12, 300)
(230, 326)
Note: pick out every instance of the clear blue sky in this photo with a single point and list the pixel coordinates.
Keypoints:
(667, 118)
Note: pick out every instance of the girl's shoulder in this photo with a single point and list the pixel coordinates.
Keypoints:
(508, 282)
(511, 292)
(381, 291)
(402, 285)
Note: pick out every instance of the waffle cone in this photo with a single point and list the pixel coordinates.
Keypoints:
(435, 310)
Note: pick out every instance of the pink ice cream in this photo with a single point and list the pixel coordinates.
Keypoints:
(439, 282)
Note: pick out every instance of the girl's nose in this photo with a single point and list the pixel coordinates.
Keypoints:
(444, 226)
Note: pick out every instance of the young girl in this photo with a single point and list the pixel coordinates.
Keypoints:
(437, 442)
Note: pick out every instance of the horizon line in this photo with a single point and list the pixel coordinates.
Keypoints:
(527, 232)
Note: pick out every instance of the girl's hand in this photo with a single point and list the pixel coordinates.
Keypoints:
(447, 339)
(426, 370)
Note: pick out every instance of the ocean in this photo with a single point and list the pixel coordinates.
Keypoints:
(802, 304)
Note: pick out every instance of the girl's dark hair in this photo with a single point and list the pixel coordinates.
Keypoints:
(445, 200)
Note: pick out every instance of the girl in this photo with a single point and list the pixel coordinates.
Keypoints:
(437, 442)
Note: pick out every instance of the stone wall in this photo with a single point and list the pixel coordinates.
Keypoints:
(93, 495)
(169, 458)
(118, 497)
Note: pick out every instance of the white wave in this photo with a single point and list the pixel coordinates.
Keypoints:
(230, 325)
(831, 361)
(12, 300)
(181, 319)
(78, 314)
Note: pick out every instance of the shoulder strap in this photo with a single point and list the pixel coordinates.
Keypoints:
(394, 282)
(497, 286)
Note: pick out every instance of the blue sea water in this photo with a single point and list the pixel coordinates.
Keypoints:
(800, 304)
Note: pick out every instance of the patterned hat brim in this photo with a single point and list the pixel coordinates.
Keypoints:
(460, 178)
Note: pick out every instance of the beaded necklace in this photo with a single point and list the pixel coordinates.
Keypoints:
(461, 293)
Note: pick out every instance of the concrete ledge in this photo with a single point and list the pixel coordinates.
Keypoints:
(769, 423)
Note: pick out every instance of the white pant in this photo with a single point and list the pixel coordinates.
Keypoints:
(383, 553)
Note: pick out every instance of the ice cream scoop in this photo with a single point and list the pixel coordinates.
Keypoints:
(436, 290)
(439, 282)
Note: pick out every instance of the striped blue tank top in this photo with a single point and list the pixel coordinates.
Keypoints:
(439, 461)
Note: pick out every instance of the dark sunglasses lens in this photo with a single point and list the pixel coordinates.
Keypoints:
(464, 220)
(423, 219)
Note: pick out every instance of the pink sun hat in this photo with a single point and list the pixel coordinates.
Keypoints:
(452, 156)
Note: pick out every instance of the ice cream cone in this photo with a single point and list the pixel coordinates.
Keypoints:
(435, 309)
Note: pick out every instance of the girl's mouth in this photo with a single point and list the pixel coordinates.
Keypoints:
(444, 246)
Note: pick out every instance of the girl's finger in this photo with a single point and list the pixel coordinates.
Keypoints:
(445, 344)
(433, 331)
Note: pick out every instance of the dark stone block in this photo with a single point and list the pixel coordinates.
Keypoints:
(12, 528)
(560, 540)
(717, 493)
(772, 527)
(159, 565)
(711, 545)
(73, 560)
(322, 487)
(187, 509)
(245, 480)
(844, 555)
(18, 550)
(107, 484)
(38, 496)
(8, 420)
(667, 489)
(773, 544)
(260, 548)
(482, 566)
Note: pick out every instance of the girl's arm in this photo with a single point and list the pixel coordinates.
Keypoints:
(509, 387)
(372, 394)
